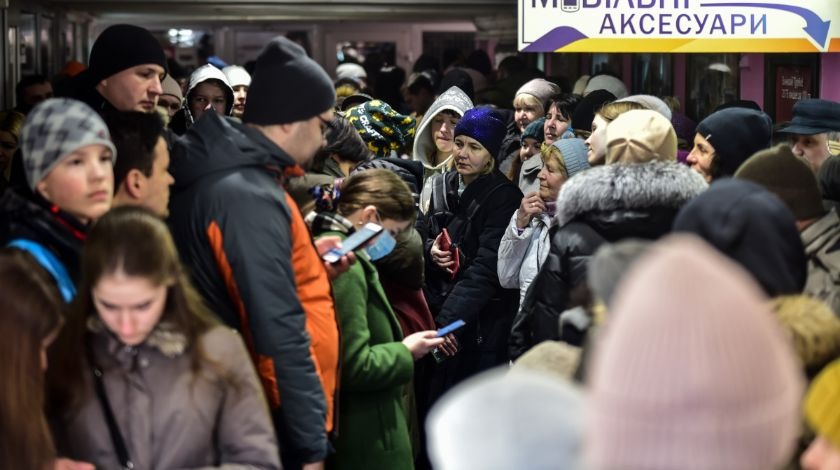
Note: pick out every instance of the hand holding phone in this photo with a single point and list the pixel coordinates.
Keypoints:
(450, 328)
(353, 242)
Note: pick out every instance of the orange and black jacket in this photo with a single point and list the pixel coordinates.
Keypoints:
(238, 234)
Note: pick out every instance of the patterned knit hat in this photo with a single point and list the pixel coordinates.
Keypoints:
(484, 125)
(639, 136)
(787, 176)
(684, 379)
(56, 128)
(384, 130)
(821, 410)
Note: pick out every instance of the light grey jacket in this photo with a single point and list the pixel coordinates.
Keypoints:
(521, 255)
(822, 246)
(170, 418)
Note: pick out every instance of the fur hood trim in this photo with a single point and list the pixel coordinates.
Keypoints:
(628, 186)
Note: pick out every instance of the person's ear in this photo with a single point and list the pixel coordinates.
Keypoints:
(369, 214)
(43, 189)
(135, 183)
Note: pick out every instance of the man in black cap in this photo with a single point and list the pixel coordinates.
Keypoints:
(249, 250)
(126, 67)
(815, 122)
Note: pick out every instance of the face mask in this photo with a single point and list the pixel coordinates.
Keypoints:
(382, 246)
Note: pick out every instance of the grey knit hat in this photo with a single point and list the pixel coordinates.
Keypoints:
(574, 155)
(539, 88)
(56, 128)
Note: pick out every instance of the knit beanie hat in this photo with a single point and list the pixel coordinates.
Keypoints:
(821, 410)
(639, 136)
(612, 84)
(287, 86)
(684, 379)
(237, 76)
(171, 87)
(536, 418)
(753, 227)
(350, 70)
(650, 102)
(120, 47)
(56, 128)
(786, 176)
(609, 263)
(539, 88)
(534, 131)
(736, 134)
(812, 327)
(485, 125)
(585, 111)
(573, 152)
(383, 129)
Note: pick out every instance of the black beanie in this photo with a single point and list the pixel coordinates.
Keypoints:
(736, 134)
(587, 107)
(287, 86)
(120, 47)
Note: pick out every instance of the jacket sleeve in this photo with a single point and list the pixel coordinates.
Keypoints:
(365, 366)
(512, 250)
(245, 436)
(480, 282)
(256, 252)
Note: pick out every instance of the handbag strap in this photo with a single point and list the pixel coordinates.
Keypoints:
(110, 420)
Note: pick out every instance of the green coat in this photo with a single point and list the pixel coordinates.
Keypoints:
(375, 366)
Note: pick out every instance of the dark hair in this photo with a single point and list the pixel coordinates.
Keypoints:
(565, 104)
(426, 62)
(512, 64)
(25, 83)
(30, 311)
(425, 80)
(343, 140)
(380, 188)
(133, 241)
(479, 60)
(135, 136)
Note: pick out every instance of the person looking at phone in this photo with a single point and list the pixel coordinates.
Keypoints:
(473, 204)
(376, 362)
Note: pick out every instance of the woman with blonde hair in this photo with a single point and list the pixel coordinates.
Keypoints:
(147, 376)
(596, 143)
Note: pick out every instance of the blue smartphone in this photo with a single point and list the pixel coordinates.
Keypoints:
(353, 242)
(450, 328)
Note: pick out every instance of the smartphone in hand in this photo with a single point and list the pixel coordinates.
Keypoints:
(353, 242)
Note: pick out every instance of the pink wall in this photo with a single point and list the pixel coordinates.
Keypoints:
(829, 71)
(752, 78)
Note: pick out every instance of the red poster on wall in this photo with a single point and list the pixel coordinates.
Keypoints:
(793, 83)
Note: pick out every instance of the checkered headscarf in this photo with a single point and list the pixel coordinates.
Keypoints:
(56, 128)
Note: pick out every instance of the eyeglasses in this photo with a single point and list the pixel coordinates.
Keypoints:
(325, 125)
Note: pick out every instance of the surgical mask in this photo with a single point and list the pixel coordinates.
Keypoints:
(382, 246)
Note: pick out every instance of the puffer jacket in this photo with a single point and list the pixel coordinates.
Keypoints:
(603, 204)
(521, 255)
(168, 417)
(822, 247)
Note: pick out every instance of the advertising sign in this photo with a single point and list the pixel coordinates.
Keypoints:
(679, 26)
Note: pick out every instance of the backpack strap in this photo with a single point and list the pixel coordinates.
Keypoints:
(51, 263)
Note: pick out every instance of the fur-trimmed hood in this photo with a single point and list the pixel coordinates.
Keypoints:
(630, 187)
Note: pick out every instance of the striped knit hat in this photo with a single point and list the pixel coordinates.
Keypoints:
(821, 404)
(691, 378)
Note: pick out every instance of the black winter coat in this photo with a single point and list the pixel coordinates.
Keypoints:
(603, 204)
(476, 221)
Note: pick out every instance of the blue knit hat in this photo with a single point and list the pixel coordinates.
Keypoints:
(535, 131)
(574, 155)
(486, 126)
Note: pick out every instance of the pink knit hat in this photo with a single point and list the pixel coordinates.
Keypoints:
(692, 372)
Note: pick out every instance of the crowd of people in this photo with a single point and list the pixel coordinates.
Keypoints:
(637, 291)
